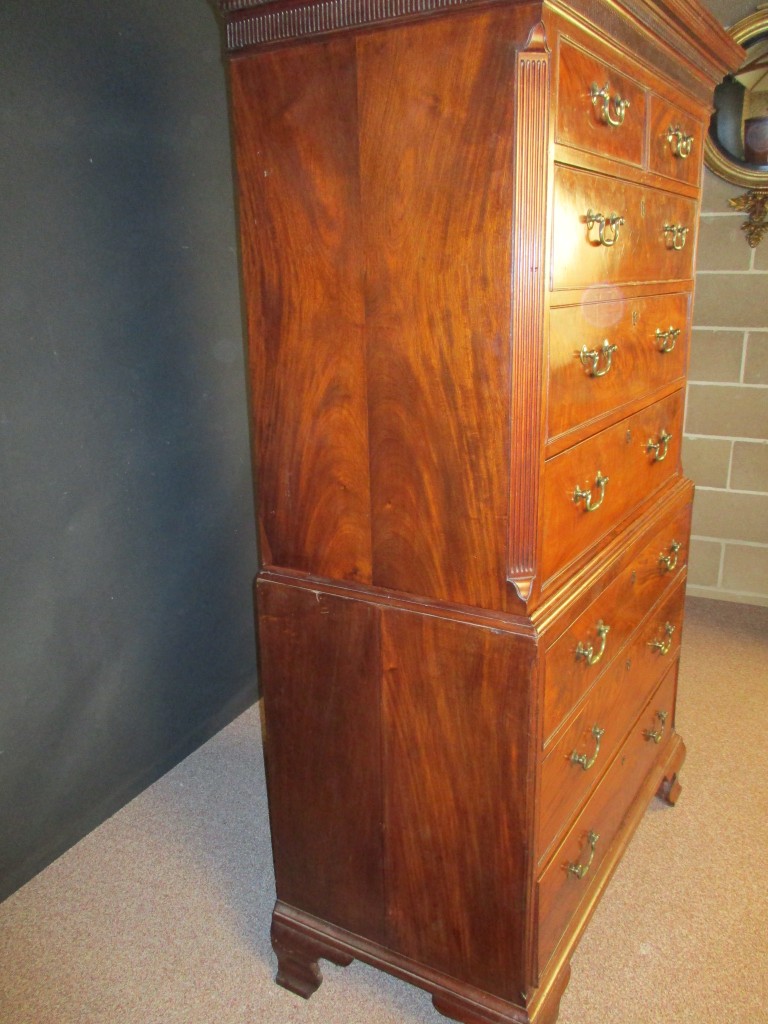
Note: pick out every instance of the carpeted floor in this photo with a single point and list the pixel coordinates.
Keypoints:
(162, 914)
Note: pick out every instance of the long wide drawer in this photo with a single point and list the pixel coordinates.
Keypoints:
(604, 355)
(594, 638)
(617, 232)
(593, 486)
(572, 767)
(576, 864)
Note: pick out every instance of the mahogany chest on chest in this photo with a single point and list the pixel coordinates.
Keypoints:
(468, 231)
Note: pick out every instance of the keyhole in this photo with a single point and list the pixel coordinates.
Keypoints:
(635, 318)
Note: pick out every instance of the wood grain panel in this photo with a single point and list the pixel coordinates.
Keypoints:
(296, 145)
(436, 114)
(638, 367)
(455, 707)
(643, 249)
(320, 672)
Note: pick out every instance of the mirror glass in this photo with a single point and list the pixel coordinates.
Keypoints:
(739, 126)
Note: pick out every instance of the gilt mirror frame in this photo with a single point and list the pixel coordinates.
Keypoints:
(731, 167)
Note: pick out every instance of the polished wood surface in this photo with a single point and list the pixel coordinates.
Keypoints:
(559, 890)
(621, 454)
(303, 278)
(456, 757)
(436, 181)
(419, 284)
(579, 401)
(622, 606)
(643, 249)
(611, 706)
(662, 155)
(319, 658)
(579, 118)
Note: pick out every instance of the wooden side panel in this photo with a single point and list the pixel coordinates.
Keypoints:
(455, 711)
(296, 144)
(436, 113)
(320, 677)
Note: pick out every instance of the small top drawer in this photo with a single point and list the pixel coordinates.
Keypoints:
(614, 232)
(599, 109)
(675, 142)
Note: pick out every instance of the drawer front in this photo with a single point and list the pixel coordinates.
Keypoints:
(560, 888)
(603, 355)
(577, 760)
(591, 106)
(621, 607)
(659, 642)
(656, 241)
(675, 142)
(592, 486)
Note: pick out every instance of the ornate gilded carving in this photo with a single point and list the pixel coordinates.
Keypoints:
(754, 203)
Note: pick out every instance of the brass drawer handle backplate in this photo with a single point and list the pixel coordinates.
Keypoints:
(659, 448)
(580, 870)
(586, 496)
(582, 759)
(656, 734)
(667, 339)
(612, 222)
(587, 652)
(675, 236)
(669, 562)
(663, 646)
(591, 359)
(679, 142)
(602, 101)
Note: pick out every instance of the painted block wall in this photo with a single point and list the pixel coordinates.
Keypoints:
(725, 450)
(127, 544)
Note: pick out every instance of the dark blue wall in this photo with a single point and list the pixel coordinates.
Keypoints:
(126, 533)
